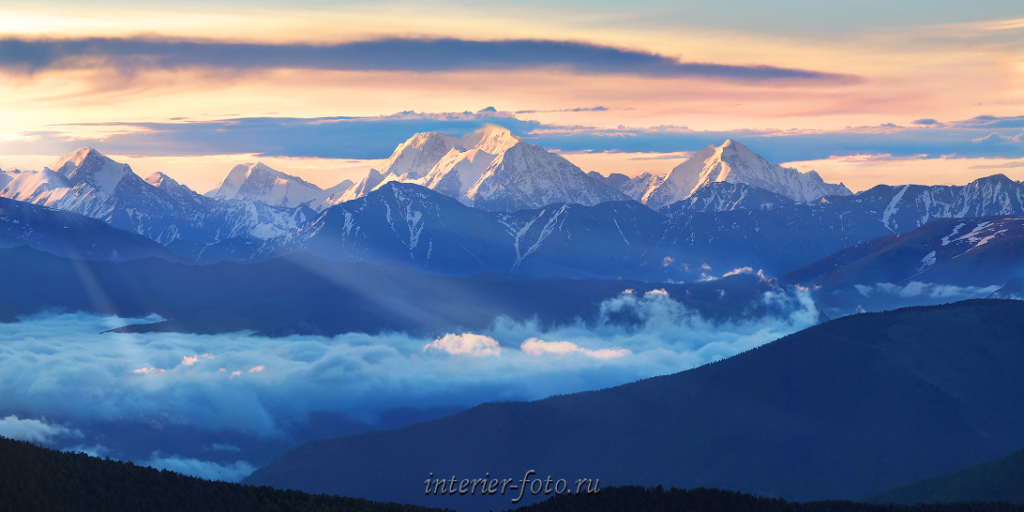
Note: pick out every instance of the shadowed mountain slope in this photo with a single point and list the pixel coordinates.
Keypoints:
(999, 480)
(840, 410)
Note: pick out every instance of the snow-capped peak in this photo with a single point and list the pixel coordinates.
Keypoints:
(75, 158)
(491, 139)
(158, 179)
(418, 154)
(491, 168)
(733, 162)
(258, 182)
(89, 166)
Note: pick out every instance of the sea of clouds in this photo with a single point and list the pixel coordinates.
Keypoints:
(62, 373)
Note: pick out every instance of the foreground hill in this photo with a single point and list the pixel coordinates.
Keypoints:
(999, 480)
(842, 410)
(40, 479)
(639, 499)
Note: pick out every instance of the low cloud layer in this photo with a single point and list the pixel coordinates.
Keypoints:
(538, 348)
(925, 290)
(201, 468)
(34, 430)
(62, 367)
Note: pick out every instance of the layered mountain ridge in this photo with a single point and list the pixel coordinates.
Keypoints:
(424, 222)
(491, 169)
(257, 182)
(91, 184)
(946, 257)
(731, 162)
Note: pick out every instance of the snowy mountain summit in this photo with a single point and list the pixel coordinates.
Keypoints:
(491, 169)
(88, 183)
(733, 162)
(86, 165)
(257, 182)
(82, 181)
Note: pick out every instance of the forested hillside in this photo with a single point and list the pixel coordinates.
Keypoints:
(39, 479)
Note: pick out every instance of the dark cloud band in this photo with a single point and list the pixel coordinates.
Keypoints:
(416, 55)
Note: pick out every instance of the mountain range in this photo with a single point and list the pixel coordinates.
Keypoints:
(932, 261)
(70, 235)
(258, 182)
(408, 225)
(729, 210)
(731, 162)
(492, 169)
(88, 183)
(450, 233)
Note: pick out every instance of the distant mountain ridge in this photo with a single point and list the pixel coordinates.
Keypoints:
(977, 250)
(496, 161)
(491, 169)
(88, 183)
(721, 227)
(733, 162)
(72, 236)
(257, 182)
(979, 253)
(411, 226)
(738, 225)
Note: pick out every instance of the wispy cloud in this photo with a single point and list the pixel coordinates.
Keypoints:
(209, 470)
(577, 109)
(35, 430)
(1005, 165)
(417, 55)
(996, 138)
(919, 289)
(538, 348)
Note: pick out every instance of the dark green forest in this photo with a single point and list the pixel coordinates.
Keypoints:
(1001, 479)
(39, 479)
(658, 499)
(33, 478)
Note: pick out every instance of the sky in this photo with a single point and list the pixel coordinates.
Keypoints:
(864, 92)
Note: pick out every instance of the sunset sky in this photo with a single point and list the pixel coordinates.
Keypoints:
(865, 92)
